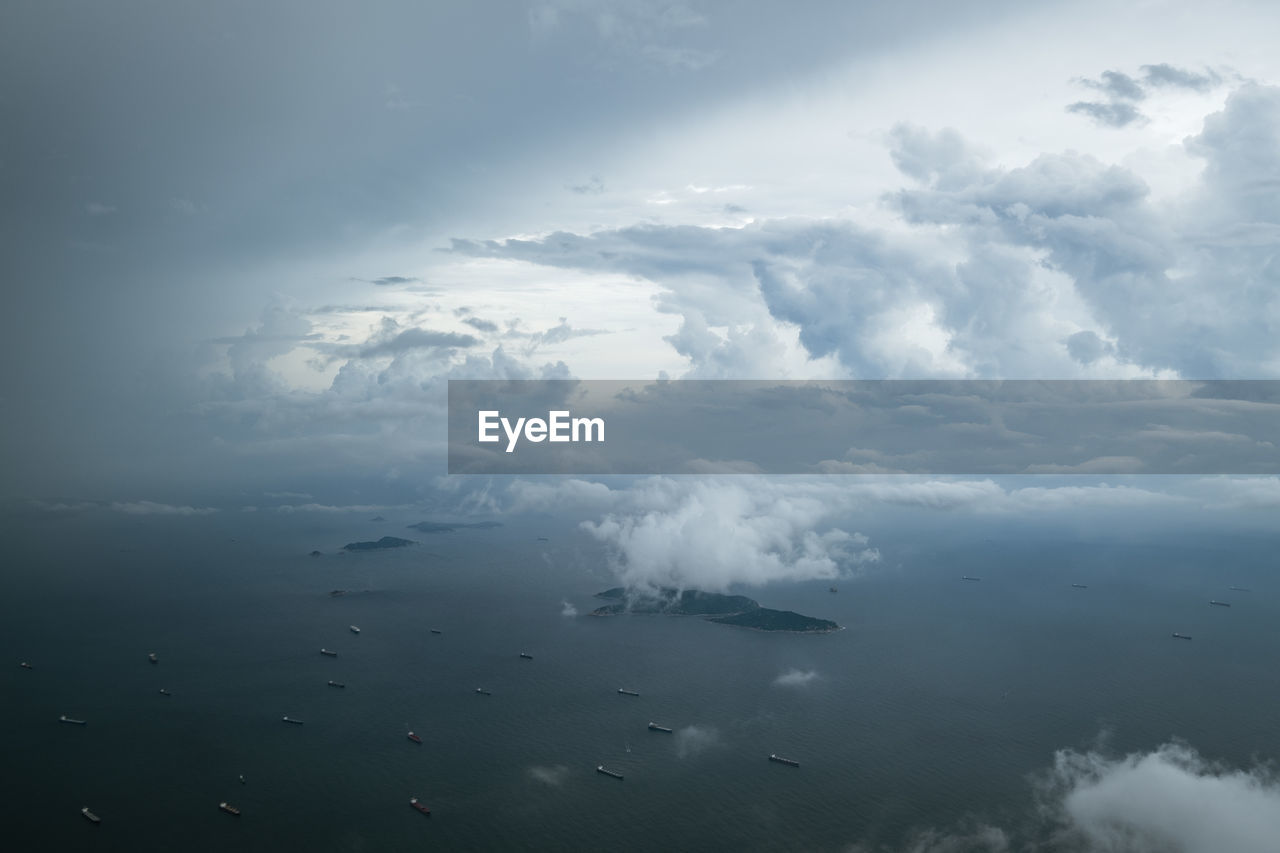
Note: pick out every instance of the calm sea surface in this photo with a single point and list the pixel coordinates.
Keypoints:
(935, 704)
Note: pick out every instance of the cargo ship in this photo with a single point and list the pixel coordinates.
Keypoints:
(336, 684)
(164, 692)
(1182, 636)
(229, 809)
(65, 719)
(329, 653)
(295, 722)
(614, 773)
(25, 665)
(414, 738)
(970, 578)
(483, 692)
(654, 727)
(436, 631)
(626, 692)
(1221, 603)
(354, 629)
(526, 656)
(1239, 588)
(1079, 586)
(90, 816)
(787, 761)
(413, 801)
(152, 657)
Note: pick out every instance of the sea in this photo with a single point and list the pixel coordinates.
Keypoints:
(935, 707)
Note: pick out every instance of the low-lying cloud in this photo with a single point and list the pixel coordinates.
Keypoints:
(553, 776)
(692, 740)
(712, 535)
(796, 678)
(1169, 800)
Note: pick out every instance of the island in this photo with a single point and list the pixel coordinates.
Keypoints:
(738, 610)
(384, 542)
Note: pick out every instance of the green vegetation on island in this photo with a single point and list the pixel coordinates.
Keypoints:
(738, 610)
(384, 542)
(767, 619)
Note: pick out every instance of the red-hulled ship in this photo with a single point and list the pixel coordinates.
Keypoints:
(419, 806)
(414, 738)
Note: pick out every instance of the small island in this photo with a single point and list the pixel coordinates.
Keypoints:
(384, 542)
(738, 610)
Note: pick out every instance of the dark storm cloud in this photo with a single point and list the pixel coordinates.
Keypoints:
(1086, 347)
(1118, 110)
(1112, 114)
(1117, 84)
(1122, 91)
(240, 150)
(478, 324)
(394, 279)
(411, 339)
(1168, 75)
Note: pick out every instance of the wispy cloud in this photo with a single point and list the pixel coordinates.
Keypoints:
(553, 775)
(1168, 799)
(796, 678)
(693, 740)
(154, 508)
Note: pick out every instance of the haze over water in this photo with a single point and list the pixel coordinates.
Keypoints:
(933, 708)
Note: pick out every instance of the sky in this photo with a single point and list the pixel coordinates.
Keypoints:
(246, 245)
(246, 248)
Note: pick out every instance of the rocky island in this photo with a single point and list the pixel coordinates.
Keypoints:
(736, 610)
(384, 542)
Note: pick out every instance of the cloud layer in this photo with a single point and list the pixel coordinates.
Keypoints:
(711, 536)
(1169, 800)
